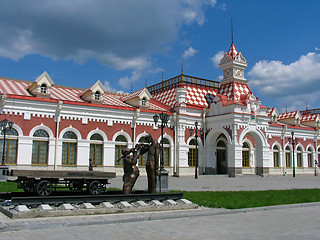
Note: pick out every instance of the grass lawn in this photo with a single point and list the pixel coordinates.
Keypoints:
(247, 199)
(9, 187)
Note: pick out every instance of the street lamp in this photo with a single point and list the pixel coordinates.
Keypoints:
(4, 131)
(164, 121)
(294, 142)
(197, 157)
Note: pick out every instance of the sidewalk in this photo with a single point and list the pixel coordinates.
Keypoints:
(224, 183)
(204, 183)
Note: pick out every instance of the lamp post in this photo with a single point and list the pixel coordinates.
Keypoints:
(164, 121)
(293, 141)
(197, 157)
(4, 130)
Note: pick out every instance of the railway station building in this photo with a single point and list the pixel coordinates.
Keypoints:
(60, 128)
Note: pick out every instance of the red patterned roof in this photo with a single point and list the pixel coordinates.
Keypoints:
(287, 115)
(15, 87)
(309, 117)
(196, 96)
(199, 96)
(167, 97)
(234, 93)
(233, 52)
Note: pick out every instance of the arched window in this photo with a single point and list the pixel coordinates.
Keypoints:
(40, 147)
(288, 157)
(221, 144)
(299, 157)
(276, 157)
(310, 157)
(69, 149)
(96, 149)
(11, 146)
(43, 88)
(245, 155)
(97, 96)
(144, 101)
(193, 153)
(143, 158)
(166, 152)
(121, 142)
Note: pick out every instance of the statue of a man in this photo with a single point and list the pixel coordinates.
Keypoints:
(131, 171)
(153, 149)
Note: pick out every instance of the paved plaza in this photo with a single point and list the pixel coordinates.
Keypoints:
(298, 221)
(225, 183)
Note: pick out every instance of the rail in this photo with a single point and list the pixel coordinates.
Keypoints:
(96, 199)
(175, 81)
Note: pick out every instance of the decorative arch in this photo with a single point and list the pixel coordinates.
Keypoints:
(166, 136)
(215, 133)
(301, 146)
(127, 136)
(72, 129)
(43, 127)
(276, 144)
(18, 129)
(198, 140)
(256, 133)
(310, 146)
(98, 131)
(142, 135)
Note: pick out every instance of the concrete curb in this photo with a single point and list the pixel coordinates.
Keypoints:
(72, 221)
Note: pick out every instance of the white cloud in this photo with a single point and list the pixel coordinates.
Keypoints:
(188, 53)
(317, 49)
(128, 81)
(291, 84)
(216, 58)
(108, 87)
(110, 31)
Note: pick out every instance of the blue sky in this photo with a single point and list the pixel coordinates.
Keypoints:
(133, 41)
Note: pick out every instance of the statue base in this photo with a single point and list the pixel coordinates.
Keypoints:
(164, 175)
(3, 176)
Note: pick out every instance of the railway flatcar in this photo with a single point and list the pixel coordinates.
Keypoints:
(44, 182)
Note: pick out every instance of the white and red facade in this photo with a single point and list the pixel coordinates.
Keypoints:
(241, 136)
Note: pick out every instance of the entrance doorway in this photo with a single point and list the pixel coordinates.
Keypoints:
(222, 167)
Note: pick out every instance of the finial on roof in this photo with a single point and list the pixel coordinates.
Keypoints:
(306, 104)
(286, 108)
(146, 83)
(181, 67)
(162, 76)
(131, 86)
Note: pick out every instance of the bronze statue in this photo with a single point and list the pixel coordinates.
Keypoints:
(153, 149)
(131, 171)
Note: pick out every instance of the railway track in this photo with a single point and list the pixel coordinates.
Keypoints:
(77, 199)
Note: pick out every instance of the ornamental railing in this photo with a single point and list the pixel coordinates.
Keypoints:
(310, 111)
(182, 79)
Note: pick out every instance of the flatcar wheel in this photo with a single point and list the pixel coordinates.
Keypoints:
(43, 188)
(95, 188)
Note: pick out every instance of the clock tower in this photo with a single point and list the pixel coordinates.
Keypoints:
(233, 65)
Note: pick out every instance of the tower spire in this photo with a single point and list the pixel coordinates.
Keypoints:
(231, 31)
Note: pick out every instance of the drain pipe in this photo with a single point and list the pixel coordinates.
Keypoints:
(134, 124)
(283, 150)
(175, 155)
(57, 120)
(204, 127)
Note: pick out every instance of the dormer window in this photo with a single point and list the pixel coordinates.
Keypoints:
(97, 96)
(43, 88)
